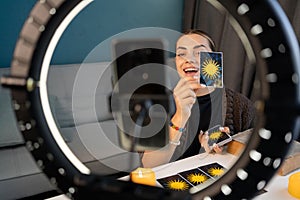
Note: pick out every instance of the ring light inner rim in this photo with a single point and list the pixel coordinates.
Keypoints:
(43, 87)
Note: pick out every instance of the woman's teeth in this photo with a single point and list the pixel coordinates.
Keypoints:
(189, 70)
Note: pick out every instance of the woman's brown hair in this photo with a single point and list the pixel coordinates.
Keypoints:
(203, 34)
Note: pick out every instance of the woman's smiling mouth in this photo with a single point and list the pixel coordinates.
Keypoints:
(191, 71)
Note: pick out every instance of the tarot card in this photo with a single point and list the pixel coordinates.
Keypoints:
(215, 170)
(195, 176)
(211, 68)
(216, 136)
(175, 182)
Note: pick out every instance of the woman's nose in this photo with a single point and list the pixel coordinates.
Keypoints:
(190, 58)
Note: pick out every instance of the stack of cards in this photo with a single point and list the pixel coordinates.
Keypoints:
(190, 178)
(211, 68)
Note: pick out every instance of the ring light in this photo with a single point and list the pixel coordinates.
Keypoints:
(275, 51)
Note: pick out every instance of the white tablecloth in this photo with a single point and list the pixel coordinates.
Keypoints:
(276, 189)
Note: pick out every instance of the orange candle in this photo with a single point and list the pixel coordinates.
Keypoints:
(143, 176)
(294, 185)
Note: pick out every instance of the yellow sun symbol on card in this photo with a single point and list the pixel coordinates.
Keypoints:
(197, 178)
(215, 135)
(216, 171)
(210, 69)
(177, 185)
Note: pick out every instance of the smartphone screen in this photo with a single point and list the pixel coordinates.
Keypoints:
(216, 136)
(139, 75)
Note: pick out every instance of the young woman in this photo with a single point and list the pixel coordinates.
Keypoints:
(199, 107)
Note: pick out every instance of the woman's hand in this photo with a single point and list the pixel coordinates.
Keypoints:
(203, 139)
(185, 97)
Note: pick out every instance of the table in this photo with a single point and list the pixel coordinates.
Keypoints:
(192, 162)
(276, 189)
(173, 168)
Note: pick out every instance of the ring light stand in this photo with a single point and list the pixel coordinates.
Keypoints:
(266, 32)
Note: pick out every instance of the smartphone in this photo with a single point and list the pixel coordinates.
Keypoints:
(139, 78)
(217, 136)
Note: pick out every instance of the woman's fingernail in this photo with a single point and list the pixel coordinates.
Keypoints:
(203, 85)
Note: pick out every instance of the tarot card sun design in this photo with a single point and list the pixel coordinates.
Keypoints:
(190, 178)
(211, 68)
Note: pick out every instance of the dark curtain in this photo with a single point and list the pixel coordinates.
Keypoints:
(292, 10)
(239, 73)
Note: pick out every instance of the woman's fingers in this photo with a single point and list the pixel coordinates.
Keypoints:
(226, 129)
(184, 95)
(203, 139)
(188, 83)
(185, 90)
(217, 148)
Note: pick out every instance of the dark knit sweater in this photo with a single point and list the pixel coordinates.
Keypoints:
(240, 112)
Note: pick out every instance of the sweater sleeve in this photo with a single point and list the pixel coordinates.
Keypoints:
(240, 112)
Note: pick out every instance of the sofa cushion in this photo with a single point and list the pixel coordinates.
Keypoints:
(82, 92)
(10, 135)
(99, 139)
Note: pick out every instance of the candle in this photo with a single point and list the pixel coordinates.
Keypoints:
(143, 176)
(294, 185)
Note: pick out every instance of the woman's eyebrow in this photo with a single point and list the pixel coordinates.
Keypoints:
(199, 46)
(195, 47)
(184, 48)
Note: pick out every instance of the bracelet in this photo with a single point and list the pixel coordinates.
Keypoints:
(175, 143)
(176, 127)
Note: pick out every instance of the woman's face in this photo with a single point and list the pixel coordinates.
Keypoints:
(188, 50)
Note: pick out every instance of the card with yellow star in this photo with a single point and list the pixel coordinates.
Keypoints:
(175, 182)
(211, 68)
(195, 176)
(214, 170)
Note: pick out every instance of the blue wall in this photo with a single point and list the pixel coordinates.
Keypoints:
(98, 22)
(13, 13)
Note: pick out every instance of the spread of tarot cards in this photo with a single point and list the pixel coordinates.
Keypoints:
(194, 177)
(211, 68)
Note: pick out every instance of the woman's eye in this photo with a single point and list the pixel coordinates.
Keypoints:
(198, 53)
(180, 54)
